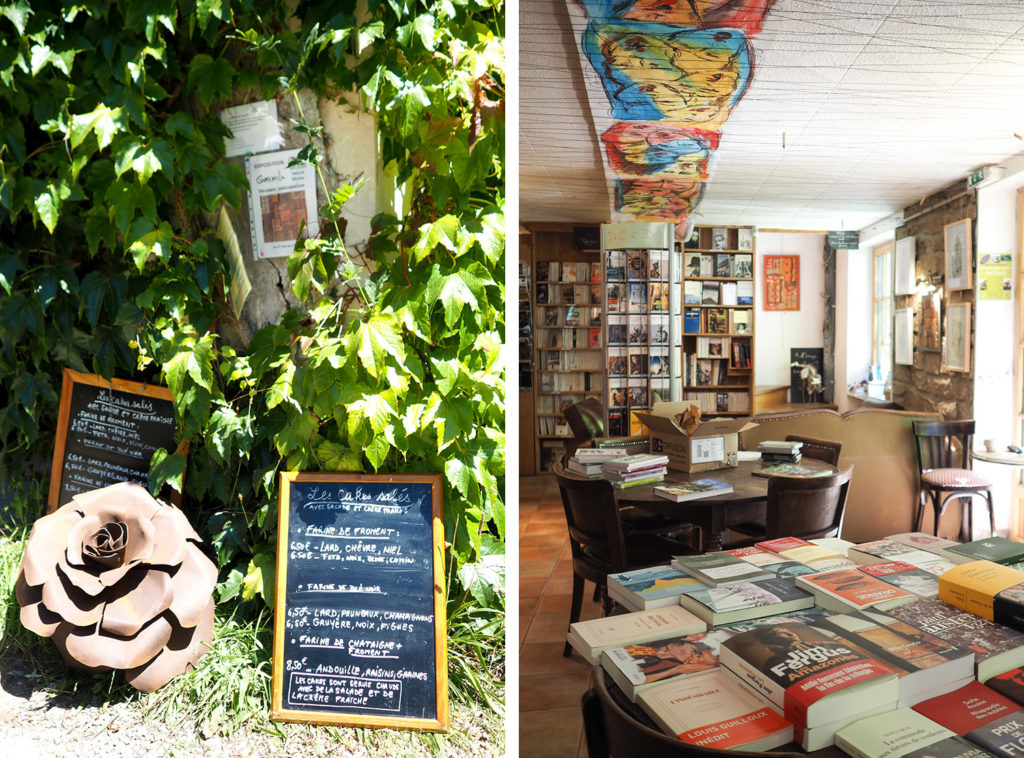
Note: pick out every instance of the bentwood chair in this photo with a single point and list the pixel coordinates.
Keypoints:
(617, 728)
(599, 545)
(944, 467)
(810, 508)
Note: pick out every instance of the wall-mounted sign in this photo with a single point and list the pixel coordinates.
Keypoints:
(844, 240)
(107, 432)
(282, 202)
(359, 630)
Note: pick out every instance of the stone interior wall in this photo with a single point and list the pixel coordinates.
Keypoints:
(925, 385)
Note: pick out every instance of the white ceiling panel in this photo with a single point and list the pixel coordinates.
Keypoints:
(878, 103)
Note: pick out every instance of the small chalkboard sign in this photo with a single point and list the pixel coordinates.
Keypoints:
(844, 240)
(360, 629)
(107, 432)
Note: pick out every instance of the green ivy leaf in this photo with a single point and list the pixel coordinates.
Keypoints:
(259, 577)
(156, 243)
(377, 452)
(212, 79)
(335, 457)
(165, 468)
(229, 588)
(105, 122)
(377, 338)
(18, 13)
(192, 360)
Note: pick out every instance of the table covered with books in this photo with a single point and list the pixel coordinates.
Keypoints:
(908, 646)
(743, 502)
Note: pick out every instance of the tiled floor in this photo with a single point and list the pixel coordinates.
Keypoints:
(550, 686)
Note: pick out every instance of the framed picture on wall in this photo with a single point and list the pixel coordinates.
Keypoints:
(957, 355)
(905, 254)
(929, 333)
(903, 336)
(959, 255)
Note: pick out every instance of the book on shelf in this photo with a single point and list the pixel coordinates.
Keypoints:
(996, 648)
(922, 541)
(615, 265)
(745, 293)
(657, 267)
(995, 549)
(905, 576)
(743, 263)
(973, 586)
(692, 291)
(728, 293)
(719, 238)
(926, 665)
(714, 709)
(682, 491)
(717, 569)
(710, 293)
(590, 638)
(707, 265)
(636, 264)
(691, 320)
(815, 678)
(646, 588)
(723, 265)
(843, 590)
(801, 471)
(894, 734)
(730, 603)
(638, 667)
(740, 354)
(637, 296)
(691, 264)
(717, 320)
(659, 296)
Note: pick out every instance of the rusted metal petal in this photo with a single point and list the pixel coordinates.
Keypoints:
(183, 651)
(48, 538)
(60, 641)
(127, 614)
(193, 587)
(106, 546)
(76, 538)
(99, 648)
(73, 605)
(127, 503)
(85, 579)
(34, 615)
(170, 521)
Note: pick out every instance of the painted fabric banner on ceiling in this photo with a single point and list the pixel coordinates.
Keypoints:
(662, 77)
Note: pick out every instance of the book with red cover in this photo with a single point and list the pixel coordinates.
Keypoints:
(1009, 684)
(906, 577)
(967, 708)
(851, 589)
(782, 543)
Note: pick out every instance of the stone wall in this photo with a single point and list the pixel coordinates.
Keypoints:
(926, 386)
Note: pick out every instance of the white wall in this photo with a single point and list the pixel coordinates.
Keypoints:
(778, 331)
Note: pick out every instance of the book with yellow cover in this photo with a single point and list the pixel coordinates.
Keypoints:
(807, 553)
(972, 586)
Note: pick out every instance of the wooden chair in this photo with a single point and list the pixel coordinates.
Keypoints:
(944, 466)
(586, 420)
(599, 545)
(809, 507)
(616, 728)
(822, 450)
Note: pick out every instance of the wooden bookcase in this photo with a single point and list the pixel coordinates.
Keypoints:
(568, 357)
(718, 320)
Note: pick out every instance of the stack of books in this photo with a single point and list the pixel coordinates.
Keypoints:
(774, 451)
(635, 470)
(587, 460)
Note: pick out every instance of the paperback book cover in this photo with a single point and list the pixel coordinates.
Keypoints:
(951, 747)
(793, 469)
(967, 708)
(681, 491)
(1003, 736)
(891, 735)
(732, 603)
(636, 667)
(884, 551)
(646, 588)
(905, 576)
(719, 568)
(782, 543)
(996, 648)
(1008, 607)
(850, 589)
(808, 553)
(713, 709)
(815, 678)
(995, 549)
(974, 585)
(591, 637)
(926, 665)
(922, 541)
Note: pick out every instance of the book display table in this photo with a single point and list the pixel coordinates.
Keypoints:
(713, 514)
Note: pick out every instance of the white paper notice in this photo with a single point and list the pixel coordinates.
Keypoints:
(282, 203)
(254, 126)
(707, 449)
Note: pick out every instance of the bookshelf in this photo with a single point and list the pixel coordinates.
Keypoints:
(641, 310)
(568, 346)
(525, 327)
(718, 320)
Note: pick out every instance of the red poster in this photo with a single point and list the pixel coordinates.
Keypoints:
(782, 282)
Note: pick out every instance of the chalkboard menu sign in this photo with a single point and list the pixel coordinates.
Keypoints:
(359, 624)
(107, 432)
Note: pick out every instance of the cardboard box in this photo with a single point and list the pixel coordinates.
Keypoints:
(711, 446)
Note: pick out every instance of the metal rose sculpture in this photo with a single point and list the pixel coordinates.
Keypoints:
(116, 579)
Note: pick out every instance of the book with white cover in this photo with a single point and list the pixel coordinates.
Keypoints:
(890, 735)
(646, 588)
(590, 638)
(886, 551)
(927, 542)
(713, 709)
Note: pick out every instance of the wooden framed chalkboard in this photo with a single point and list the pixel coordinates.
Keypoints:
(359, 621)
(107, 432)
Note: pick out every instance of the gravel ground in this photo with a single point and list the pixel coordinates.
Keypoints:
(35, 722)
